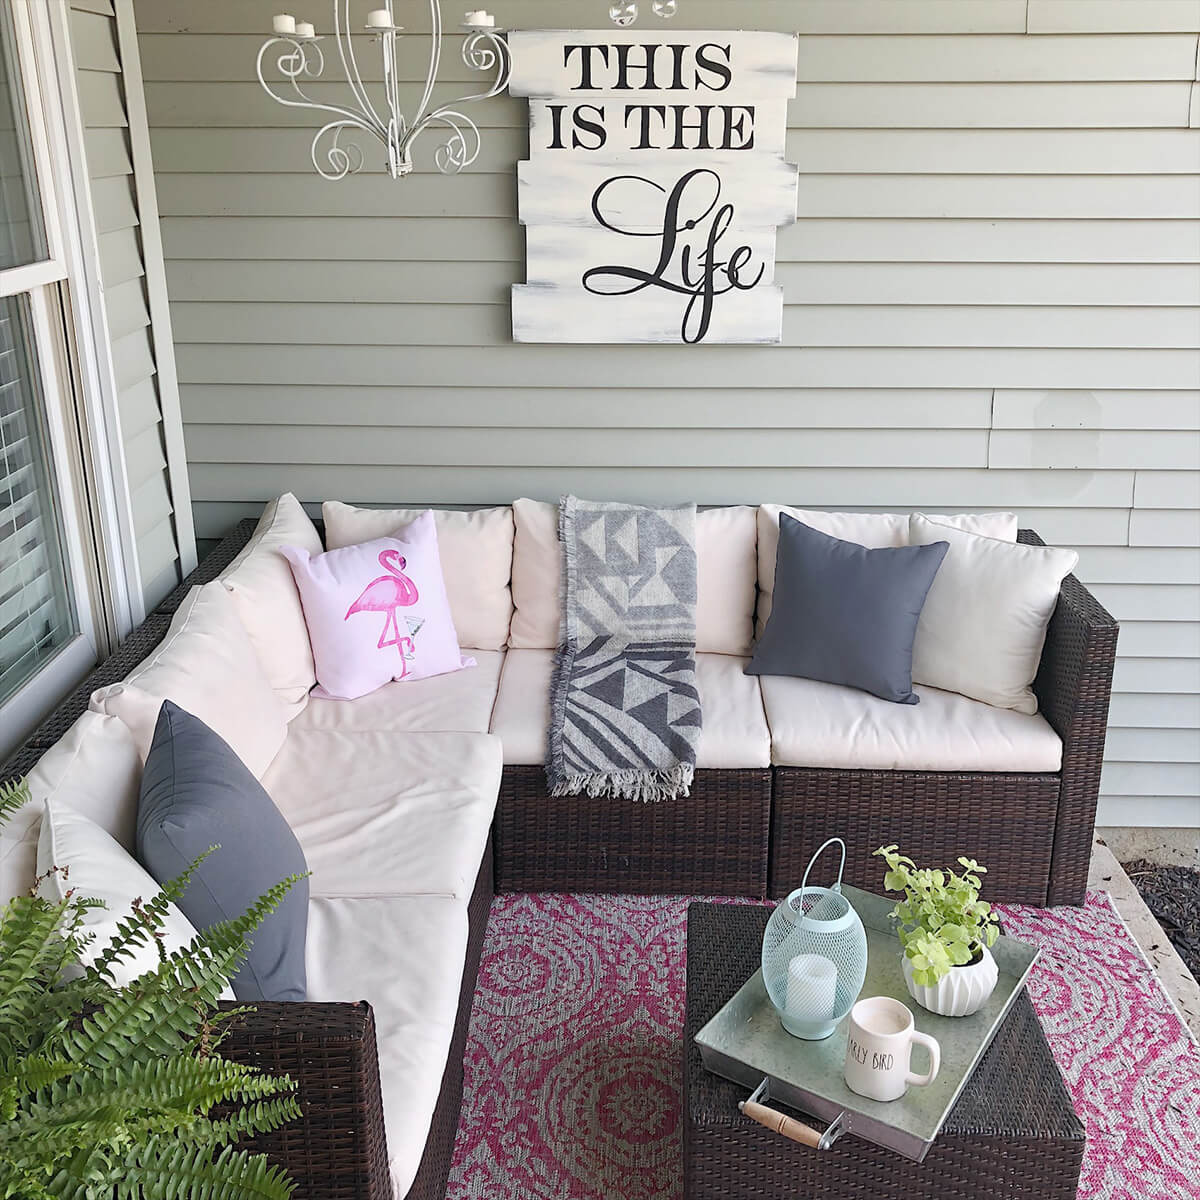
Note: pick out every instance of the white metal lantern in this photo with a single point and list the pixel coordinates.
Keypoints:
(814, 956)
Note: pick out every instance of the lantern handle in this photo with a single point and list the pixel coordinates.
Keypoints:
(837, 887)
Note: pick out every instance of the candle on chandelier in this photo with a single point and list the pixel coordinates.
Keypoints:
(304, 29)
(379, 18)
(283, 23)
(479, 20)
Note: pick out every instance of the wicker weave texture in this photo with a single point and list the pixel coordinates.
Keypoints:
(211, 565)
(337, 1150)
(711, 843)
(430, 1181)
(1006, 822)
(1012, 1133)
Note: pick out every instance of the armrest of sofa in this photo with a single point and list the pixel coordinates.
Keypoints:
(1073, 687)
(337, 1148)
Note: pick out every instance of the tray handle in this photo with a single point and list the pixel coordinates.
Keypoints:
(789, 1127)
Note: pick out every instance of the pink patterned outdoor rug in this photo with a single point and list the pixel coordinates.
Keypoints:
(573, 1063)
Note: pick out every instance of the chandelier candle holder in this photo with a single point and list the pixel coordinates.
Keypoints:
(299, 58)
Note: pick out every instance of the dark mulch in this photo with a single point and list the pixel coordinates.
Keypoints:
(1172, 894)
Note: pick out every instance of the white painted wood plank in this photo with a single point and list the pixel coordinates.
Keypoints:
(1160, 812)
(949, 240)
(103, 7)
(112, 200)
(120, 257)
(1194, 107)
(562, 191)
(596, 447)
(809, 16)
(853, 367)
(992, 151)
(1113, 16)
(1130, 711)
(1155, 639)
(1167, 489)
(1151, 676)
(93, 42)
(737, 66)
(1164, 527)
(583, 407)
(1154, 602)
(921, 59)
(144, 457)
(1151, 779)
(1030, 197)
(126, 308)
(132, 359)
(152, 504)
(1090, 450)
(139, 407)
(1098, 410)
(100, 99)
(1154, 745)
(156, 551)
(107, 153)
(1139, 564)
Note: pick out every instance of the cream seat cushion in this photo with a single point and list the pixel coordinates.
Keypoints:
(726, 558)
(476, 552)
(95, 769)
(405, 956)
(734, 734)
(825, 725)
(384, 813)
(873, 530)
(268, 601)
(460, 701)
(207, 665)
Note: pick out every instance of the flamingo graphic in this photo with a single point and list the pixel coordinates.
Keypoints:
(385, 595)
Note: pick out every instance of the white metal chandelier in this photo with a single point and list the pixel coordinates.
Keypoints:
(300, 57)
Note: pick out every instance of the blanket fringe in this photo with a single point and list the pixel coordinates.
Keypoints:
(647, 787)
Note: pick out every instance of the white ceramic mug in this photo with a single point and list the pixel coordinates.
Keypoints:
(879, 1046)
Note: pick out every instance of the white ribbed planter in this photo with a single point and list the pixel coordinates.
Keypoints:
(958, 994)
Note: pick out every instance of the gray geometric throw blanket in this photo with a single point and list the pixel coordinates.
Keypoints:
(625, 711)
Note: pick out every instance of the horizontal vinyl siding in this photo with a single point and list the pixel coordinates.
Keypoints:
(122, 272)
(992, 300)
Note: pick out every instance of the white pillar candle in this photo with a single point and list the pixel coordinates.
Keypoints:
(283, 23)
(379, 18)
(479, 20)
(304, 29)
(811, 988)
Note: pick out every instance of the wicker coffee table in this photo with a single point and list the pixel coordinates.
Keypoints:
(1012, 1132)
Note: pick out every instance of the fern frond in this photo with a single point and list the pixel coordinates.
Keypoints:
(175, 1170)
(14, 795)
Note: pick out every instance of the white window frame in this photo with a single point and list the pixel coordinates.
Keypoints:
(77, 378)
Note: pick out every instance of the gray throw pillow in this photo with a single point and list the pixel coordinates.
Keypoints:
(845, 614)
(197, 793)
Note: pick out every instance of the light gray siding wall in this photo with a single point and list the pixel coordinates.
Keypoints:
(993, 300)
(119, 230)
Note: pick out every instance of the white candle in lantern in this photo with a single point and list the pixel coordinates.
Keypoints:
(479, 20)
(304, 29)
(283, 23)
(379, 18)
(811, 988)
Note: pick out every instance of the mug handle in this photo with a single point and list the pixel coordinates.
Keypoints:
(935, 1058)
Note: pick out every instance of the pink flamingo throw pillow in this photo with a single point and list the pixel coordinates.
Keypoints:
(377, 611)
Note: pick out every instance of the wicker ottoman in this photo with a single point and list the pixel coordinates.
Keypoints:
(1013, 1132)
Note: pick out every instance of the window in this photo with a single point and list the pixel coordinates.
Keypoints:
(48, 576)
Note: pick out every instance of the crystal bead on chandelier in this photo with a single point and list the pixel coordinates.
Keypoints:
(301, 58)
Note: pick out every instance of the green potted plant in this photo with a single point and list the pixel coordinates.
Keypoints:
(114, 1092)
(945, 930)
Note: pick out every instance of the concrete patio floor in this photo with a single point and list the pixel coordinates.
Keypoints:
(1107, 875)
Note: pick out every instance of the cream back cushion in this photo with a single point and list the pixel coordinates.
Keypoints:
(207, 665)
(984, 622)
(476, 550)
(873, 530)
(725, 578)
(95, 769)
(268, 603)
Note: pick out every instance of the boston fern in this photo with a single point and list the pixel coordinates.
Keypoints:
(113, 1093)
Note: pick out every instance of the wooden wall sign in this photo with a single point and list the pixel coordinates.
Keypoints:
(655, 183)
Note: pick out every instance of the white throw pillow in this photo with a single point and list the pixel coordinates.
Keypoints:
(207, 665)
(983, 626)
(93, 864)
(873, 530)
(476, 549)
(725, 578)
(267, 601)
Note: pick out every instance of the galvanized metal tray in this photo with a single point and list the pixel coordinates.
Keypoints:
(745, 1043)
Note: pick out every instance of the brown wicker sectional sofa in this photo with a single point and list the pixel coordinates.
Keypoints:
(742, 831)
